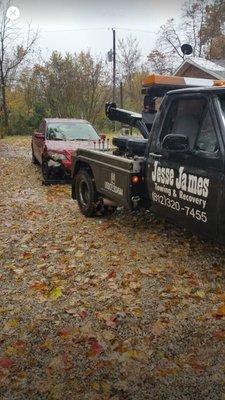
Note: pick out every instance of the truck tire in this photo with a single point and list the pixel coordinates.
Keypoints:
(86, 194)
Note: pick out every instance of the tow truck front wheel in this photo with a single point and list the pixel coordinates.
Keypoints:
(86, 194)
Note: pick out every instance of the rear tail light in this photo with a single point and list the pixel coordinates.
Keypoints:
(135, 179)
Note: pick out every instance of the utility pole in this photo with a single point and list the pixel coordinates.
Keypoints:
(114, 71)
(114, 65)
(121, 94)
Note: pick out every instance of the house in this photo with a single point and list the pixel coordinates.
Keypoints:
(196, 67)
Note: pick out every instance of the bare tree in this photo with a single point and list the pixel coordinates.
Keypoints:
(160, 63)
(129, 57)
(167, 54)
(14, 50)
(213, 30)
(194, 14)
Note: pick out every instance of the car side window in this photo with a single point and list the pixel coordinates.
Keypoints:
(184, 118)
(207, 140)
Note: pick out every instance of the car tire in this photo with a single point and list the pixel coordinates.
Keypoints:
(86, 194)
(34, 159)
(46, 172)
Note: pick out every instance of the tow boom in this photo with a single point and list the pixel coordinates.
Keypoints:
(126, 117)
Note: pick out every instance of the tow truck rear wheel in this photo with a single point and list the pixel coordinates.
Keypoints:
(86, 194)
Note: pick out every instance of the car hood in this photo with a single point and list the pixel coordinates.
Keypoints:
(70, 146)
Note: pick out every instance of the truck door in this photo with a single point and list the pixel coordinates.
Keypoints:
(184, 183)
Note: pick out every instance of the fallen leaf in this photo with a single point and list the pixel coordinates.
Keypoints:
(197, 365)
(72, 311)
(12, 323)
(220, 312)
(6, 362)
(55, 293)
(112, 274)
(26, 255)
(39, 286)
(79, 254)
(64, 333)
(158, 328)
(108, 335)
(95, 348)
(135, 355)
(82, 314)
(137, 311)
(47, 344)
(200, 294)
(219, 334)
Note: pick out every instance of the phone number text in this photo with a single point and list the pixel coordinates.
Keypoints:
(175, 205)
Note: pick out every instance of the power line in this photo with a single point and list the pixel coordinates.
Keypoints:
(136, 30)
(95, 29)
(72, 30)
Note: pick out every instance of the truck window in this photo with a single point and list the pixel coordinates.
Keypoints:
(222, 102)
(207, 140)
(184, 118)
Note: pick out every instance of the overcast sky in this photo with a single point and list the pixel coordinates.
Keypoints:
(75, 25)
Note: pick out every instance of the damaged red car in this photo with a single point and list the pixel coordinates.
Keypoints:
(54, 143)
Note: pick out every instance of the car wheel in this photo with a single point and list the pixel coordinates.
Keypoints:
(34, 159)
(47, 172)
(86, 194)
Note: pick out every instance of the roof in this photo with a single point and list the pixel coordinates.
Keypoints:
(214, 90)
(54, 120)
(215, 68)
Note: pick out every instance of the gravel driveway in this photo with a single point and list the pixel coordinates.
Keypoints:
(123, 307)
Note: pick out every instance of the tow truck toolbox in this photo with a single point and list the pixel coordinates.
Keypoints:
(177, 170)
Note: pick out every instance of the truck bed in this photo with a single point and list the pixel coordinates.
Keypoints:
(112, 174)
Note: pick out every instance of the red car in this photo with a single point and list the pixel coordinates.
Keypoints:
(54, 143)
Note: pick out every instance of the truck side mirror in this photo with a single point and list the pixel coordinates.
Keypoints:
(176, 143)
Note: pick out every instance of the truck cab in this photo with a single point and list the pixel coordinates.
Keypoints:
(177, 170)
(184, 168)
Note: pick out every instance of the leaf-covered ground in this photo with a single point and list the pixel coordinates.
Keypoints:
(126, 307)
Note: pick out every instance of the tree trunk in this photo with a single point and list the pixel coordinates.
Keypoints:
(5, 111)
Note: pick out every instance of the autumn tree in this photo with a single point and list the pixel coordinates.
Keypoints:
(167, 54)
(213, 30)
(68, 86)
(13, 52)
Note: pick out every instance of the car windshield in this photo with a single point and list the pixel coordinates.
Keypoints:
(71, 131)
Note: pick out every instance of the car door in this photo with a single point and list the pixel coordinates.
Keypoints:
(185, 185)
(39, 141)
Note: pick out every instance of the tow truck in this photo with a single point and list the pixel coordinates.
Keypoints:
(176, 169)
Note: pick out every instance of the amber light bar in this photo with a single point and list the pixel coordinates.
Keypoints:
(160, 80)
